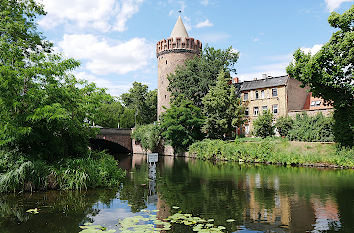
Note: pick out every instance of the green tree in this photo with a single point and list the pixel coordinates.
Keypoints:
(181, 124)
(263, 125)
(44, 110)
(194, 79)
(222, 108)
(109, 114)
(143, 101)
(329, 74)
(126, 120)
(284, 125)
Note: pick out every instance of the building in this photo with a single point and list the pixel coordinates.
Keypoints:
(281, 95)
(170, 53)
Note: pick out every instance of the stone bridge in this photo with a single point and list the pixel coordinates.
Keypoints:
(115, 139)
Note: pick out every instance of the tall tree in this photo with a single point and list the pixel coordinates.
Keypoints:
(44, 110)
(329, 74)
(181, 124)
(222, 108)
(194, 79)
(143, 101)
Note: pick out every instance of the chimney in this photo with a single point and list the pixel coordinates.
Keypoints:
(235, 80)
(254, 79)
(265, 76)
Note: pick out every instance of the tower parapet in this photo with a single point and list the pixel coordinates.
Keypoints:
(178, 44)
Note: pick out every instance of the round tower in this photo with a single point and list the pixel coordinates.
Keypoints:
(170, 53)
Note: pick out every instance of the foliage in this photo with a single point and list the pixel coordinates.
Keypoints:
(109, 114)
(273, 151)
(143, 101)
(194, 79)
(222, 108)
(284, 125)
(263, 125)
(329, 74)
(148, 135)
(45, 111)
(316, 128)
(181, 124)
(22, 173)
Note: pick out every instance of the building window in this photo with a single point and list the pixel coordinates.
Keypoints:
(255, 111)
(245, 96)
(165, 96)
(257, 95)
(275, 109)
(318, 103)
(246, 112)
(313, 103)
(264, 108)
(274, 92)
(247, 129)
(262, 94)
(166, 62)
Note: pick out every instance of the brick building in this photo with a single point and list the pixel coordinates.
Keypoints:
(281, 95)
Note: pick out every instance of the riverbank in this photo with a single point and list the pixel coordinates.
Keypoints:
(274, 151)
(22, 173)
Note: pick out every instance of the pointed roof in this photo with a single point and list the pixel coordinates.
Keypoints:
(179, 29)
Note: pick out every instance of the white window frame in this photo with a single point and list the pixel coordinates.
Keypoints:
(255, 111)
(245, 96)
(276, 92)
(262, 94)
(247, 113)
(275, 107)
(256, 95)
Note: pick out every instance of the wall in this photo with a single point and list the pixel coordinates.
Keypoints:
(296, 95)
(167, 64)
(268, 101)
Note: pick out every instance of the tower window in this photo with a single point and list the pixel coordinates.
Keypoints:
(166, 62)
(165, 96)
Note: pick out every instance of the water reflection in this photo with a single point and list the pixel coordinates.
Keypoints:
(259, 198)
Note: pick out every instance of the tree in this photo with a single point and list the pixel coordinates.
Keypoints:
(143, 101)
(181, 124)
(45, 111)
(194, 79)
(263, 125)
(109, 114)
(284, 125)
(329, 74)
(222, 108)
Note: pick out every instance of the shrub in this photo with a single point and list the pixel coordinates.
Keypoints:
(312, 128)
(20, 173)
(148, 135)
(263, 125)
(284, 125)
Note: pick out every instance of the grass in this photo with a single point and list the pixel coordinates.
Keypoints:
(274, 151)
(20, 173)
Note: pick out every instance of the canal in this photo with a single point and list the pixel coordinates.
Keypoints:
(234, 197)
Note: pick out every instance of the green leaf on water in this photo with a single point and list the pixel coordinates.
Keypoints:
(33, 211)
(230, 220)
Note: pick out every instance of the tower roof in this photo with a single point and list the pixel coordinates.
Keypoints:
(179, 29)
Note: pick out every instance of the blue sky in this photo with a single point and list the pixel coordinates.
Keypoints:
(115, 39)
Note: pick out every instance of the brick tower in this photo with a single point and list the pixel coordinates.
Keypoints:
(170, 53)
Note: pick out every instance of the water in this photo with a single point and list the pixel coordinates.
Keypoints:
(259, 198)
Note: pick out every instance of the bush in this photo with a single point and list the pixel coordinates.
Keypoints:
(284, 125)
(20, 173)
(312, 128)
(263, 125)
(148, 135)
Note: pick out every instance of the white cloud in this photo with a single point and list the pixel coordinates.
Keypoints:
(334, 4)
(187, 23)
(103, 57)
(205, 23)
(170, 13)
(114, 89)
(183, 5)
(204, 2)
(256, 39)
(102, 15)
(312, 50)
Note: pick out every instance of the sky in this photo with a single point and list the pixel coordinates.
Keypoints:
(115, 39)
